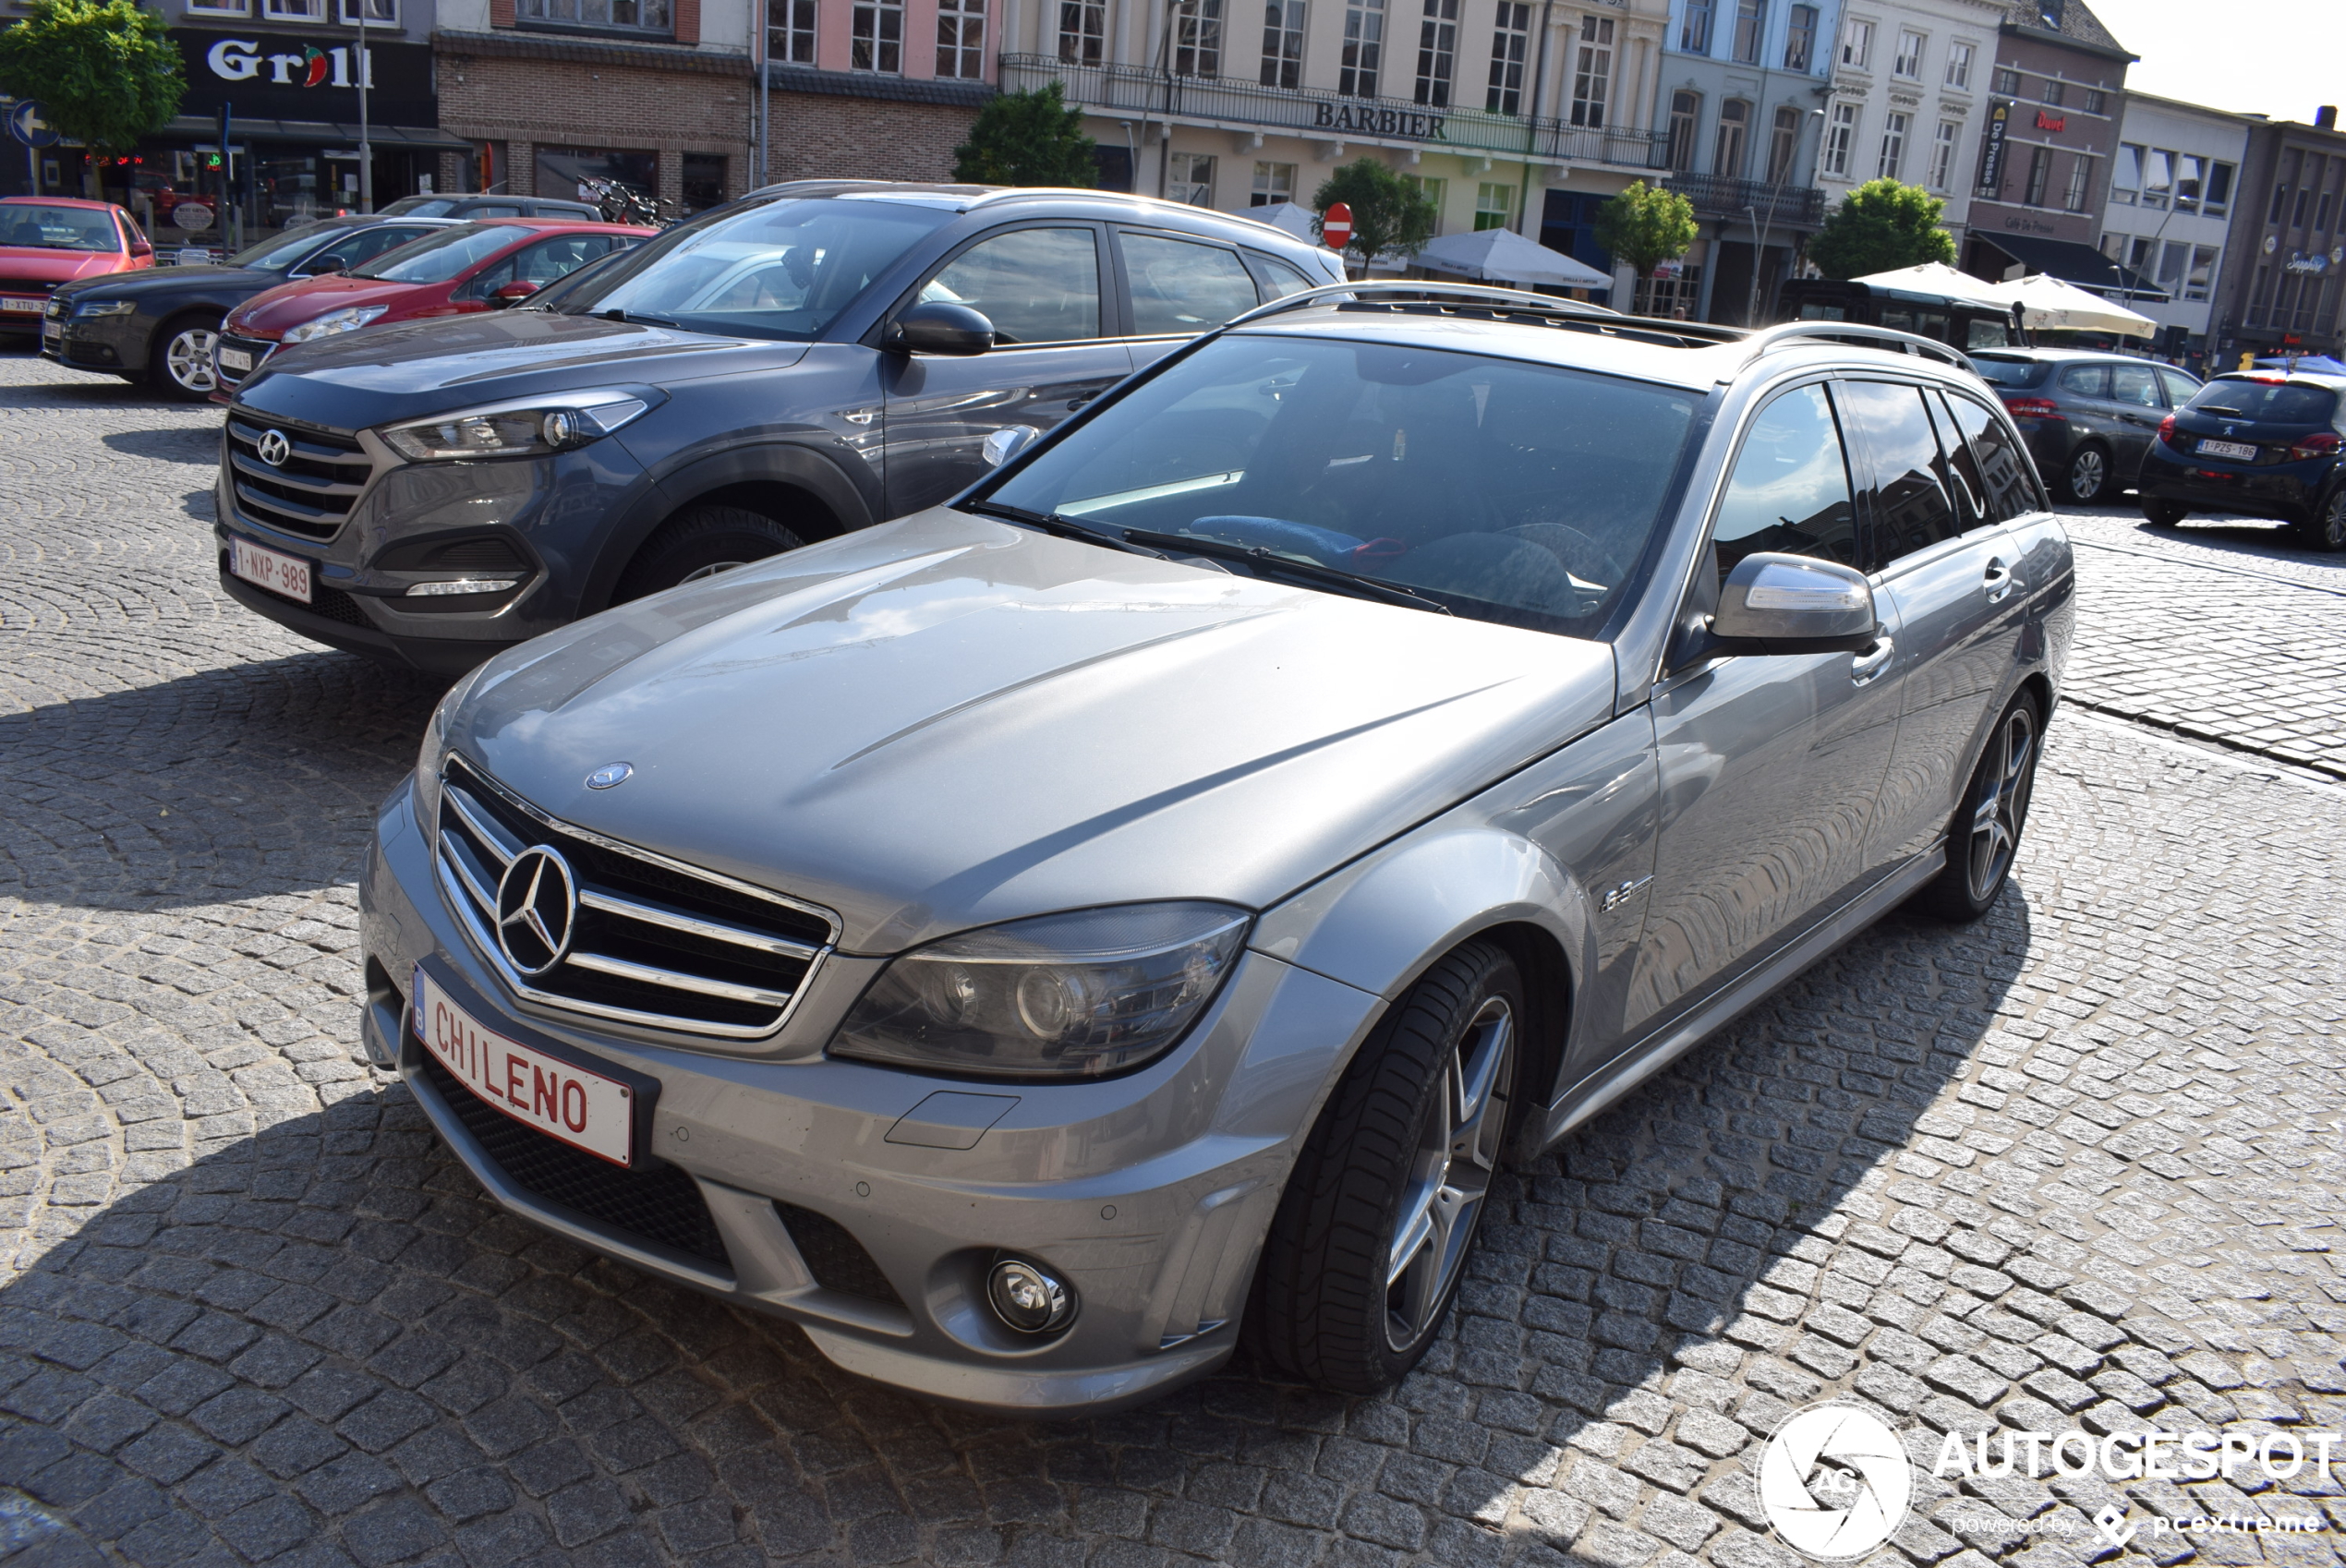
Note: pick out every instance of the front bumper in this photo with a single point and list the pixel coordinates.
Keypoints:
(98, 343)
(258, 349)
(2285, 492)
(1141, 1191)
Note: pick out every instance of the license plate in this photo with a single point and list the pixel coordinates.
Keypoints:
(235, 359)
(30, 307)
(584, 1109)
(285, 574)
(2244, 451)
(53, 332)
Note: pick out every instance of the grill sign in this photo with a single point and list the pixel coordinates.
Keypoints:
(584, 1109)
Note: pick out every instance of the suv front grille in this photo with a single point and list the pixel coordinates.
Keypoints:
(311, 492)
(651, 942)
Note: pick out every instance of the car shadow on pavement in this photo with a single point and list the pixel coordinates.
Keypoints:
(198, 446)
(308, 1332)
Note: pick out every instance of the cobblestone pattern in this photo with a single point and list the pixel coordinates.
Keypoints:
(2236, 544)
(2079, 1164)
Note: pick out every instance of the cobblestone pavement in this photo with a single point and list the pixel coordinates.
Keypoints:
(2080, 1164)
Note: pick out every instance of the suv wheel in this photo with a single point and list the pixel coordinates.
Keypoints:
(1373, 1229)
(2089, 475)
(701, 541)
(1984, 838)
(2327, 530)
(180, 363)
(2164, 513)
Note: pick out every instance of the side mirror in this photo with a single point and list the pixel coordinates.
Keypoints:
(329, 263)
(1787, 604)
(1007, 443)
(939, 327)
(518, 289)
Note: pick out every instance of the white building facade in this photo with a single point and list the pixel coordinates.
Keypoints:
(2173, 188)
(1910, 83)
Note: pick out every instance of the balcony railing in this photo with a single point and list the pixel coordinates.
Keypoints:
(1718, 196)
(1135, 92)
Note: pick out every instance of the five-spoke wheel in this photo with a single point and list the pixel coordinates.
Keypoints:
(1460, 1142)
(1985, 835)
(181, 363)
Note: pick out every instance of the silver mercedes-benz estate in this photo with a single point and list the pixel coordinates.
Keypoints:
(1033, 943)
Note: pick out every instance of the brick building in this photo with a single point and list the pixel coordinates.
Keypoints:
(2286, 259)
(863, 125)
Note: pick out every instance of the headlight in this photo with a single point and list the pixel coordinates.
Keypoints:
(1063, 996)
(89, 307)
(349, 319)
(435, 748)
(516, 430)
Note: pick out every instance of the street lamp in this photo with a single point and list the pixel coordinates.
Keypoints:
(366, 147)
(1759, 229)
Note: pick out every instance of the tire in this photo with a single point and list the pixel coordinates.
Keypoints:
(2088, 477)
(1983, 841)
(702, 541)
(2327, 532)
(2164, 513)
(179, 363)
(1392, 1167)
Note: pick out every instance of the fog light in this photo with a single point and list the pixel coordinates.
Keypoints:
(1028, 1299)
(462, 586)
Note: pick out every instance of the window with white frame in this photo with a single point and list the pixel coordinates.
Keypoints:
(2054, 91)
(1693, 27)
(2081, 182)
(1800, 39)
(213, 7)
(1735, 129)
(1437, 53)
(2097, 102)
(1841, 140)
(2219, 198)
(961, 39)
(790, 32)
(1894, 145)
(1283, 43)
(1942, 154)
(1592, 72)
(2007, 82)
(630, 15)
(2200, 281)
(1959, 55)
(1274, 183)
(1686, 117)
(2191, 177)
(301, 10)
(1857, 44)
(1510, 43)
(1751, 30)
(1197, 39)
(1082, 31)
(1783, 144)
(370, 13)
(1909, 61)
(1493, 205)
(2159, 177)
(2127, 175)
(875, 36)
(1437, 191)
(2040, 175)
(1364, 48)
(1190, 179)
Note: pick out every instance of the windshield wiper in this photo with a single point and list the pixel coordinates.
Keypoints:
(1060, 527)
(1266, 560)
(2219, 408)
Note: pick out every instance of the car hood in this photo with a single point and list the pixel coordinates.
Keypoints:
(55, 266)
(273, 313)
(410, 370)
(215, 281)
(947, 721)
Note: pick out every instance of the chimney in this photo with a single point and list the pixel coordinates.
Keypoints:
(2326, 117)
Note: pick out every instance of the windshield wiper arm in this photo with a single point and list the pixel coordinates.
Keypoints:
(1061, 527)
(1268, 560)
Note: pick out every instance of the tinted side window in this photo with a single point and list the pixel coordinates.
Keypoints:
(1959, 470)
(1036, 285)
(1979, 333)
(1789, 493)
(1180, 288)
(2179, 386)
(1912, 509)
(494, 210)
(2133, 385)
(2001, 468)
(2087, 380)
(368, 244)
(1277, 278)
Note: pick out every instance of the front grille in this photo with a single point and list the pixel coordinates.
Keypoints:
(26, 285)
(260, 348)
(834, 1257)
(658, 1203)
(311, 492)
(651, 942)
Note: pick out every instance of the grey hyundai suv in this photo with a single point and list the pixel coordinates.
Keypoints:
(1033, 942)
(807, 361)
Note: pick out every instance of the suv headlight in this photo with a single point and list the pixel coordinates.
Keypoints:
(349, 319)
(531, 430)
(89, 307)
(1061, 997)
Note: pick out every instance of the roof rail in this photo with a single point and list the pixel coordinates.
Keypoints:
(1505, 303)
(1769, 339)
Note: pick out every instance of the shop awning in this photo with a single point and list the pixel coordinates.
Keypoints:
(317, 133)
(2075, 263)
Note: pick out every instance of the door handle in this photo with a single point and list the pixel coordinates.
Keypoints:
(1866, 668)
(2001, 582)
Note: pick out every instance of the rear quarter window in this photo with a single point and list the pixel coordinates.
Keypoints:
(2268, 403)
(2000, 372)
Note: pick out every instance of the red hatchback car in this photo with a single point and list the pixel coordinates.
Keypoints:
(478, 266)
(48, 240)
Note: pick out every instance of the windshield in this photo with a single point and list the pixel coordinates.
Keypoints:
(779, 269)
(57, 228)
(2009, 372)
(281, 251)
(419, 207)
(2268, 403)
(1518, 493)
(441, 256)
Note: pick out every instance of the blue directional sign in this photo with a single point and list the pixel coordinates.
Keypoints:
(26, 125)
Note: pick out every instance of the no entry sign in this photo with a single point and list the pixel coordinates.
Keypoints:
(1335, 226)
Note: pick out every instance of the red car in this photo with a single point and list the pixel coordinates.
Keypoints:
(47, 240)
(478, 266)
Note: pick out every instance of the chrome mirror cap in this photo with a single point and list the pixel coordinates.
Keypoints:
(1796, 604)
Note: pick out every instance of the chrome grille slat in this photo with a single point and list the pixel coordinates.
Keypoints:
(654, 942)
(323, 487)
(312, 494)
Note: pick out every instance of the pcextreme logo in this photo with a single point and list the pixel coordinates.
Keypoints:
(1835, 1481)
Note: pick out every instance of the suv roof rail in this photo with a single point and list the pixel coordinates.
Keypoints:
(1769, 339)
(1501, 304)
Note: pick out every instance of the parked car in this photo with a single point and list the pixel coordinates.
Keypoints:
(48, 241)
(810, 360)
(2260, 444)
(457, 205)
(485, 264)
(161, 325)
(1030, 943)
(2089, 417)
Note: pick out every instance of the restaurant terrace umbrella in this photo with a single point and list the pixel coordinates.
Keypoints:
(1287, 217)
(2046, 304)
(1935, 278)
(1503, 256)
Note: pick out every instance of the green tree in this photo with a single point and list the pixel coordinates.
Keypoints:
(105, 71)
(1882, 226)
(1646, 225)
(1028, 139)
(1389, 218)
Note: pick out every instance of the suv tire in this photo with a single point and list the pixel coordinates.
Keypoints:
(179, 365)
(2164, 513)
(1983, 841)
(2327, 532)
(701, 541)
(2089, 479)
(1399, 1164)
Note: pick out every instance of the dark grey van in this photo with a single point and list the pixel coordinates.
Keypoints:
(815, 358)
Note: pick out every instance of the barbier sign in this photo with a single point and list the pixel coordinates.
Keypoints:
(1367, 119)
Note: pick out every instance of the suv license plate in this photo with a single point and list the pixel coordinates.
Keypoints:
(583, 1109)
(286, 575)
(235, 359)
(31, 306)
(2242, 451)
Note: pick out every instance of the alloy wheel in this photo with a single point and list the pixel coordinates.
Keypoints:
(188, 360)
(1458, 1150)
(2003, 802)
(2088, 472)
(2333, 536)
